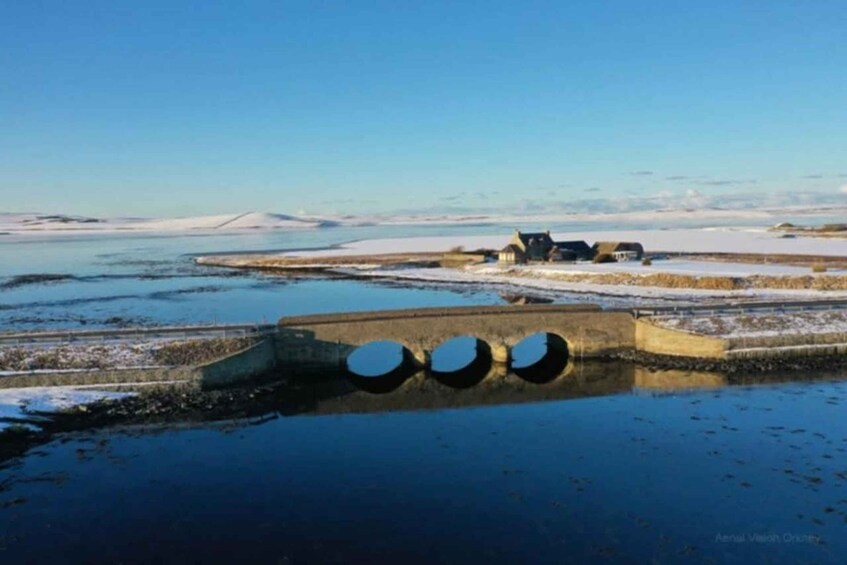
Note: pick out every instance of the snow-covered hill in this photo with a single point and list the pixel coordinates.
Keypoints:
(36, 223)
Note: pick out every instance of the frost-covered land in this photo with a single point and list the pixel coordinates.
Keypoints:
(781, 269)
(46, 223)
(750, 240)
(26, 407)
(61, 223)
(116, 355)
(760, 324)
(553, 281)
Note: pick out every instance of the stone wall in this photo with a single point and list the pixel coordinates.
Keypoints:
(663, 341)
(245, 365)
(185, 375)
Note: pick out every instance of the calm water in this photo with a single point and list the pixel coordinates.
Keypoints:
(505, 472)
(134, 279)
(609, 463)
(142, 280)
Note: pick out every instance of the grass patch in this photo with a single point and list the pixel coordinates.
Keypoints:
(186, 353)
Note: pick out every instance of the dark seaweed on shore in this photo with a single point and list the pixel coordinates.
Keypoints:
(791, 365)
(35, 278)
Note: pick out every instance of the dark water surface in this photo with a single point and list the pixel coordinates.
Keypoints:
(504, 472)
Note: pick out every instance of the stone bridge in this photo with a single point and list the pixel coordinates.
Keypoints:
(323, 342)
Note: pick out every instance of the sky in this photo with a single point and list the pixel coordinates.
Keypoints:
(166, 108)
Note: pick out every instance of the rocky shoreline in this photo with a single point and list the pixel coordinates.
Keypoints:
(659, 362)
(171, 404)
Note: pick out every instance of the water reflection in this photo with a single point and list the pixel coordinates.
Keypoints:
(421, 389)
(461, 362)
(430, 473)
(540, 358)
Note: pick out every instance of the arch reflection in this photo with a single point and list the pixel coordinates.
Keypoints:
(540, 358)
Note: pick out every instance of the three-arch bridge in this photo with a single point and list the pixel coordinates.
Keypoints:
(324, 342)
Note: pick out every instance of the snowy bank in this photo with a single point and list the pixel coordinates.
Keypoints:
(759, 324)
(26, 406)
(539, 281)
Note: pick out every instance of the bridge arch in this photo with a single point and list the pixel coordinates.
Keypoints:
(380, 366)
(540, 357)
(461, 362)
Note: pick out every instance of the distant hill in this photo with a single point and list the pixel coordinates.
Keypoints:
(29, 223)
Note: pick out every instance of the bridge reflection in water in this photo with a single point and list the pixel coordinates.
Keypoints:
(422, 390)
(459, 363)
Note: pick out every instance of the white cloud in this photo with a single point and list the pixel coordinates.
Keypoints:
(843, 189)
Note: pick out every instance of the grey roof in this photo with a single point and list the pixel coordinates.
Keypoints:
(543, 237)
(612, 246)
(573, 246)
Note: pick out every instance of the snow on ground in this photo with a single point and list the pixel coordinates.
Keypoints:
(669, 266)
(252, 220)
(45, 223)
(499, 276)
(759, 324)
(37, 223)
(765, 216)
(20, 406)
(117, 355)
(709, 240)
(666, 215)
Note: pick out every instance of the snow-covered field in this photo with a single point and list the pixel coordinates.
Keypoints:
(759, 324)
(669, 266)
(544, 276)
(21, 406)
(79, 357)
(35, 223)
(537, 281)
(44, 223)
(695, 279)
(709, 240)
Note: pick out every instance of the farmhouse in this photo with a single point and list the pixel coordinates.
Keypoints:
(525, 247)
(540, 247)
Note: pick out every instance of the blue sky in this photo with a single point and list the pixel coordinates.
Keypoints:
(176, 108)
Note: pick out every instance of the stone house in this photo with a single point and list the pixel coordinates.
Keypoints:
(619, 250)
(511, 254)
(526, 247)
(575, 251)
